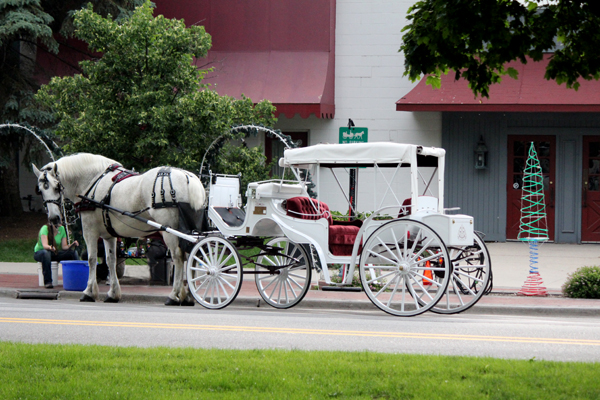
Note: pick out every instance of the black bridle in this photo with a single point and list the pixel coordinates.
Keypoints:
(60, 201)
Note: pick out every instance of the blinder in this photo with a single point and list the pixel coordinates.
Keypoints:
(46, 185)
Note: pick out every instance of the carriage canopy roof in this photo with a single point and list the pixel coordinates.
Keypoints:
(358, 154)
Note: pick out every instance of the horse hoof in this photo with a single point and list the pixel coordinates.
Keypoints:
(171, 302)
(111, 300)
(87, 299)
(188, 303)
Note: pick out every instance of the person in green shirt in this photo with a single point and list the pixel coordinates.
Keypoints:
(50, 239)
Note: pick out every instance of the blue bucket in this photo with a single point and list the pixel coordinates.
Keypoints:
(75, 275)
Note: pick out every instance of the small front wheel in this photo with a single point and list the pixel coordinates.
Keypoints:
(283, 276)
(404, 268)
(214, 272)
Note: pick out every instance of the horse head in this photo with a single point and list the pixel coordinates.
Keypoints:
(51, 189)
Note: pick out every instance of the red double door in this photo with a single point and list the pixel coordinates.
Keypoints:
(518, 149)
(518, 152)
(590, 196)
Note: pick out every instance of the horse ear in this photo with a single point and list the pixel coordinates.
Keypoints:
(55, 169)
(36, 171)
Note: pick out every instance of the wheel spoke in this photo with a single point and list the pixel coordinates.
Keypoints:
(394, 291)
(198, 278)
(379, 255)
(382, 276)
(425, 246)
(458, 294)
(390, 251)
(425, 291)
(397, 247)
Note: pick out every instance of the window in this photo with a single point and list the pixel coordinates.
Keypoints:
(274, 148)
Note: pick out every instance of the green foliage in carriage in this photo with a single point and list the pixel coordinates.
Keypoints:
(142, 101)
(338, 216)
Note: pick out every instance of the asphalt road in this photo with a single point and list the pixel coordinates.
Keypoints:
(517, 337)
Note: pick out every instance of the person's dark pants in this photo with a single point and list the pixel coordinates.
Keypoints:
(46, 257)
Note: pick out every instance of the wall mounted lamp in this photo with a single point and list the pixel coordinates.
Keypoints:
(481, 158)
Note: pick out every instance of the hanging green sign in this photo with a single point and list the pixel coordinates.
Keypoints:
(354, 135)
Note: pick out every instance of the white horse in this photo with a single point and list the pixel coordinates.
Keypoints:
(158, 195)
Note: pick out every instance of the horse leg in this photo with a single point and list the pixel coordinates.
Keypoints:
(179, 295)
(114, 294)
(90, 294)
(184, 293)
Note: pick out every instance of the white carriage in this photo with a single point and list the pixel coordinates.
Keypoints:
(412, 255)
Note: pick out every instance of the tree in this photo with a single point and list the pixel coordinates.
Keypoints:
(476, 38)
(28, 27)
(142, 102)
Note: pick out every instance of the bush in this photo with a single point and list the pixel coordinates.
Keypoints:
(583, 283)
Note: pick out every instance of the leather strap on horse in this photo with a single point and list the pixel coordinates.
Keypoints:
(123, 174)
(162, 173)
(86, 205)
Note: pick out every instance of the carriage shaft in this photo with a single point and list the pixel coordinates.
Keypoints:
(164, 228)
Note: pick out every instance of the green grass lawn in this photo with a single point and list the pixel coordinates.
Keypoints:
(98, 372)
(19, 250)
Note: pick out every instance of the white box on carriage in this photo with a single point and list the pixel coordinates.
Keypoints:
(455, 230)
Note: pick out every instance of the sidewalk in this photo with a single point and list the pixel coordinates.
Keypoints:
(510, 267)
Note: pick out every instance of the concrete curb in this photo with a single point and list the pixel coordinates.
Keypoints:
(357, 305)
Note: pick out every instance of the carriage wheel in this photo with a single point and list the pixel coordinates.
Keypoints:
(284, 278)
(470, 278)
(403, 268)
(214, 272)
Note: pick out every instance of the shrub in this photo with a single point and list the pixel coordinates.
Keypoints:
(583, 283)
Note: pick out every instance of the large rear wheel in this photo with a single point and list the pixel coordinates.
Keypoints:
(404, 268)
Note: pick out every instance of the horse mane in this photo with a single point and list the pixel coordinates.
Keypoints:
(75, 164)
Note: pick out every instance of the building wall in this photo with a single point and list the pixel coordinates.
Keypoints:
(483, 193)
(368, 82)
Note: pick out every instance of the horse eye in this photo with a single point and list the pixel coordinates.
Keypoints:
(46, 185)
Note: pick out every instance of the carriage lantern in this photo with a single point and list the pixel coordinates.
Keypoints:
(481, 154)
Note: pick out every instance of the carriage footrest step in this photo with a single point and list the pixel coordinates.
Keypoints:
(341, 289)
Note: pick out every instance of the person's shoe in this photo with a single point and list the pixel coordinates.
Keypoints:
(48, 286)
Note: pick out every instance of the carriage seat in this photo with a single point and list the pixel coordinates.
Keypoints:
(342, 234)
(277, 190)
(426, 203)
(225, 199)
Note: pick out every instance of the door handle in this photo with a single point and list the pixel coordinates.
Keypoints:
(584, 197)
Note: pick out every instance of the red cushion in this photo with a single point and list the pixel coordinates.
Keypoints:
(342, 238)
(307, 208)
(341, 250)
(406, 208)
(343, 234)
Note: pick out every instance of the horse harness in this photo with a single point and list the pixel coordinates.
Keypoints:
(122, 174)
(60, 189)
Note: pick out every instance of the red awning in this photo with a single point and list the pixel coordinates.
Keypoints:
(530, 93)
(280, 50)
(296, 82)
